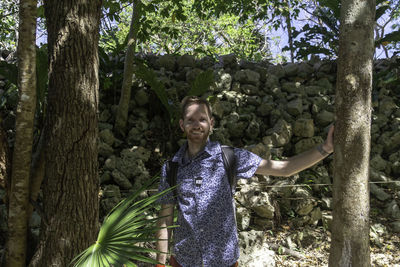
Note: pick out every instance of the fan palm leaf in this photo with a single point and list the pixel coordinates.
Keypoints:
(123, 232)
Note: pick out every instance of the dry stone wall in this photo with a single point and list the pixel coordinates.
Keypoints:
(275, 111)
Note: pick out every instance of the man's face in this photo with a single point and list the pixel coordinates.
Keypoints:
(196, 123)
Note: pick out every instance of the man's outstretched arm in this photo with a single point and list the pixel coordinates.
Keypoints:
(299, 162)
(166, 216)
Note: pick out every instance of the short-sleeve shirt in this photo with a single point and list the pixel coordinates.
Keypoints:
(207, 234)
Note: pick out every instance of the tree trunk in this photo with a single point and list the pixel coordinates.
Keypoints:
(350, 229)
(123, 106)
(289, 31)
(21, 164)
(71, 184)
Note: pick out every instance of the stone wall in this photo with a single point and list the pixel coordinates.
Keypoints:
(276, 111)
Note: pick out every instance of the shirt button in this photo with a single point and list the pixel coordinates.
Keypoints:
(201, 230)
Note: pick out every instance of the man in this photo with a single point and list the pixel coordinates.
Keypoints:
(207, 234)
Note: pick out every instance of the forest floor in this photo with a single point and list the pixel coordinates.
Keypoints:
(311, 246)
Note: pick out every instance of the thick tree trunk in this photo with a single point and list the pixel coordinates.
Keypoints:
(71, 184)
(350, 229)
(21, 164)
(123, 106)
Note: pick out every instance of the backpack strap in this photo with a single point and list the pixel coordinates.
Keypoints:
(172, 171)
(229, 159)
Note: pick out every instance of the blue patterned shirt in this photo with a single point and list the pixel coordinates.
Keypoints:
(207, 234)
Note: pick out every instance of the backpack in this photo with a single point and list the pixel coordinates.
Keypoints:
(228, 157)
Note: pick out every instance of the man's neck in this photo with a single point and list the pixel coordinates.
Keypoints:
(195, 148)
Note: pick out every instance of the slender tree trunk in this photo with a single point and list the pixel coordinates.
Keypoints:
(350, 229)
(289, 30)
(21, 164)
(123, 106)
(71, 184)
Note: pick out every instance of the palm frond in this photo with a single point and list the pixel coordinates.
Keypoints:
(123, 233)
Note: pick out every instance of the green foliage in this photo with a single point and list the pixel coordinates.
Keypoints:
(126, 227)
(8, 24)
(111, 66)
(199, 86)
(202, 83)
(322, 38)
(319, 39)
(41, 79)
(172, 27)
(146, 74)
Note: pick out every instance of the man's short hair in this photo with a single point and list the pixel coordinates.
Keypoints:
(189, 100)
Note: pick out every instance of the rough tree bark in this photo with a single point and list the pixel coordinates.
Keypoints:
(21, 163)
(71, 184)
(123, 107)
(350, 229)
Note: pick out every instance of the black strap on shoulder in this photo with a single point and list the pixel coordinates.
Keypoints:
(229, 158)
(172, 171)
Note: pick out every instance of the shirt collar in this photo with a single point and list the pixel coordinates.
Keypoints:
(210, 148)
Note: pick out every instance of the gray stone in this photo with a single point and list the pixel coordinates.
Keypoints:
(223, 81)
(111, 191)
(304, 127)
(105, 116)
(325, 83)
(291, 69)
(293, 88)
(315, 216)
(387, 106)
(249, 89)
(324, 118)
(110, 163)
(271, 81)
(378, 163)
(108, 204)
(236, 129)
(107, 136)
(168, 62)
(326, 203)
(307, 143)
(136, 152)
(393, 210)
(305, 69)
(295, 107)
(142, 97)
(327, 221)
(253, 129)
(281, 133)
(205, 63)
(105, 150)
(120, 179)
(186, 61)
(395, 226)
(262, 206)
(254, 250)
(229, 61)
(248, 77)
(262, 150)
(243, 218)
(263, 223)
(105, 177)
(379, 193)
(315, 90)
(304, 206)
(277, 70)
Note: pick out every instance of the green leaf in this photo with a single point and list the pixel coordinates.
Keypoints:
(123, 232)
(394, 36)
(202, 83)
(380, 11)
